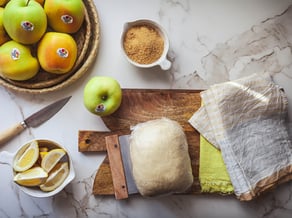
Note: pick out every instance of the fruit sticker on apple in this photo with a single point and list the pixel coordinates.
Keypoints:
(25, 21)
(102, 95)
(65, 15)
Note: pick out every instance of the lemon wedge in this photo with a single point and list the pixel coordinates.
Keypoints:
(52, 158)
(56, 177)
(32, 177)
(26, 157)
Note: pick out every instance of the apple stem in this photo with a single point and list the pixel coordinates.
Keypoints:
(27, 2)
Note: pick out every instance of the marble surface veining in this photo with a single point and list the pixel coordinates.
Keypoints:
(210, 42)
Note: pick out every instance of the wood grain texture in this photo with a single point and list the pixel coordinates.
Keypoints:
(93, 140)
(103, 182)
(140, 105)
(116, 164)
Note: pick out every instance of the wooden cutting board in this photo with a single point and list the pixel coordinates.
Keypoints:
(140, 105)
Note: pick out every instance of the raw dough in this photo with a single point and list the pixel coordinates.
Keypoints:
(160, 159)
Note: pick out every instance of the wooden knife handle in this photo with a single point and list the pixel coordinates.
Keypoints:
(9, 133)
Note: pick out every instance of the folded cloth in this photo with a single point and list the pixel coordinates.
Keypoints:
(213, 175)
(246, 119)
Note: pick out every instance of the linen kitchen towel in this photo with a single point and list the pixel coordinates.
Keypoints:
(213, 175)
(246, 119)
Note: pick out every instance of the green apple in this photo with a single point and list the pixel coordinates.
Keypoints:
(65, 15)
(102, 95)
(25, 21)
(3, 35)
(17, 62)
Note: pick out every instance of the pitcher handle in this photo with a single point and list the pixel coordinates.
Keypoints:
(165, 64)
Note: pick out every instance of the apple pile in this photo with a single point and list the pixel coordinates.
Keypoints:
(45, 25)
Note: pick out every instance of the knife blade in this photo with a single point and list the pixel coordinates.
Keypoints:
(125, 151)
(118, 149)
(33, 120)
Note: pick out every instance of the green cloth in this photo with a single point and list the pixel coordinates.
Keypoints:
(213, 175)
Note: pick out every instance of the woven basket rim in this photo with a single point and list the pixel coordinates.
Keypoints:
(89, 56)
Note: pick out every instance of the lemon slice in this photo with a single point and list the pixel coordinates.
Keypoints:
(56, 177)
(26, 157)
(32, 177)
(52, 158)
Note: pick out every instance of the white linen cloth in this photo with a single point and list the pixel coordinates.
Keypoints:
(246, 120)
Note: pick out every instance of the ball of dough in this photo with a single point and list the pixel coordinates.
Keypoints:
(160, 159)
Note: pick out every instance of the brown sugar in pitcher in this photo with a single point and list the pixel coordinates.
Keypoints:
(145, 44)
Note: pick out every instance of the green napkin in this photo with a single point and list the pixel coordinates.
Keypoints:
(213, 175)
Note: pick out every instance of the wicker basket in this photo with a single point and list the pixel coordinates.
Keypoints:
(87, 39)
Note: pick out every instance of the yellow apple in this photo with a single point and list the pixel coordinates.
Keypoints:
(65, 15)
(57, 52)
(25, 21)
(3, 2)
(41, 2)
(3, 35)
(17, 62)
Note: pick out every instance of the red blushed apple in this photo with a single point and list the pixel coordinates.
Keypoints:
(65, 15)
(3, 35)
(3, 2)
(57, 52)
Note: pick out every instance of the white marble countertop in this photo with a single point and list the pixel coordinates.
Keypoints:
(210, 41)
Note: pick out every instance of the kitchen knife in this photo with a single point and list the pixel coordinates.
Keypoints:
(118, 149)
(34, 120)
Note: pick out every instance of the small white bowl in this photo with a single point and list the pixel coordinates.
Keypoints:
(8, 158)
(163, 62)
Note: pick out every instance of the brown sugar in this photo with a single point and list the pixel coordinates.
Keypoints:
(143, 44)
